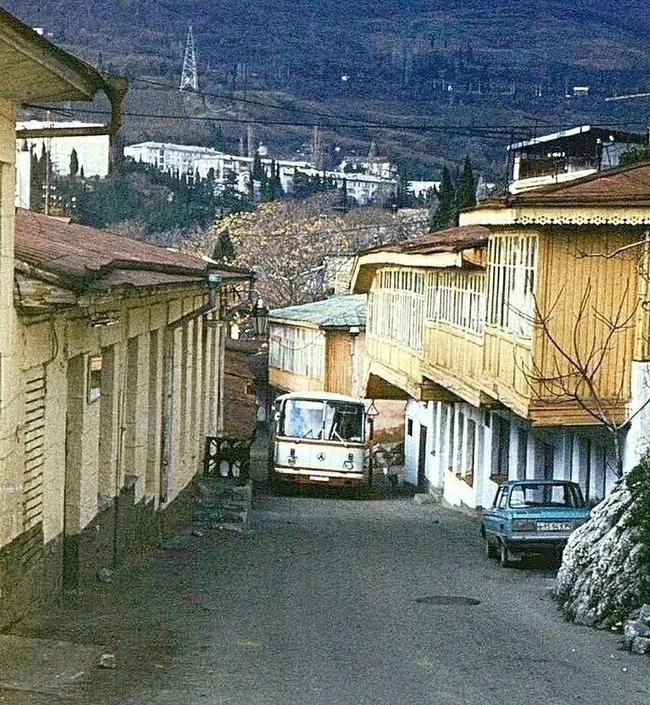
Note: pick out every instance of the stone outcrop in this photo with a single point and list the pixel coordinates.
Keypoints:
(601, 580)
(636, 632)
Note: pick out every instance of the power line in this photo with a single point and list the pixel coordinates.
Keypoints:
(500, 132)
(486, 131)
(249, 101)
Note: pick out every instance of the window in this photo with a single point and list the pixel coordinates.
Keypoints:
(396, 307)
(511, 266)
(297, 350)
(94, 379)
(409, 427)
(457, 298)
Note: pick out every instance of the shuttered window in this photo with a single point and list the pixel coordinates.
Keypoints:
(34, 447)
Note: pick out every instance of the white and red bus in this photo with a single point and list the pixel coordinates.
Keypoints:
(318, 438)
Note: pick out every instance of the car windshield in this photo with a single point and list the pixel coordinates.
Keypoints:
(545, 494)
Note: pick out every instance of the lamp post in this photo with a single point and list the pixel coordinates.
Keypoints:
(371, 412)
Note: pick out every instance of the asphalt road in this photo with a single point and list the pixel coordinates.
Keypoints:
(339, 602)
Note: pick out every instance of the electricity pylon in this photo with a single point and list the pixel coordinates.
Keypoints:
(189, 76)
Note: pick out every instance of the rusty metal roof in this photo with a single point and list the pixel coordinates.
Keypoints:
(88, 259)
(450, 240)
(625, 185)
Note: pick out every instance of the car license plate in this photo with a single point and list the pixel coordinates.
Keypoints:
(318, 478)
(553, 526)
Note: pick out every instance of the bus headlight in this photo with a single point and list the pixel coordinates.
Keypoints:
(292, 457)
(349, 463)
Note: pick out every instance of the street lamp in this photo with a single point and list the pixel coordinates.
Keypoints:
(371, 412)
(260, 318)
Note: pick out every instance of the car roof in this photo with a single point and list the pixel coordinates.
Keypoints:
(544, 481)
(320, 396)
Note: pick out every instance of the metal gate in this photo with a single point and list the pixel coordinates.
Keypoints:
(227, 457)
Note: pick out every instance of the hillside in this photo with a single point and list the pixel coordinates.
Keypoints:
(430, 80)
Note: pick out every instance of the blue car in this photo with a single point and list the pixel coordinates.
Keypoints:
(531, 517)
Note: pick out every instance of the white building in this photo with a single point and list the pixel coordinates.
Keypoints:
(188, 160)
(567, 155)
(169, 157)
(93, 153)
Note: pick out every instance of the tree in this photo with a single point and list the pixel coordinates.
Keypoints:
(74, 162)
(572, 370)
(465, 188)
(641, 153)
(258, 169)
(223, 250)
(272, 186)
(292, 246)
(445, 214)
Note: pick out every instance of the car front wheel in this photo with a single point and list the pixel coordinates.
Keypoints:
(505, 557)
(490, 551)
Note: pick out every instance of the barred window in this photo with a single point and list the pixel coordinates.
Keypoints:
(457, 298)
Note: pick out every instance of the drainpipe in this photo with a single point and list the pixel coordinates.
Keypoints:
(214, 282)
(115, 88)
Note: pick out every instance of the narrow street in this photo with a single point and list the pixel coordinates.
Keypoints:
(337, 602)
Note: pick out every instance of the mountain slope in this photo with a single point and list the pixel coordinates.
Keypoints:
(429, 66)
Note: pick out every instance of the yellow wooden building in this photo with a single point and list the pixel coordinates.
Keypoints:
(520, 337)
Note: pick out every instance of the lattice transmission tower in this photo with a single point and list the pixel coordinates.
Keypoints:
(189, 75)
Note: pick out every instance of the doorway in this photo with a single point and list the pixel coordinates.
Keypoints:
(423, 484)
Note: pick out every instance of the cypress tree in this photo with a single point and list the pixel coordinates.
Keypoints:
(223, 250)
(465, 188)
(74, 162)
(444, 215)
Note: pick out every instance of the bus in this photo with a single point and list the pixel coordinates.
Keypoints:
(318, 438)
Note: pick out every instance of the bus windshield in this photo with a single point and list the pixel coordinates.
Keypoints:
(328, 420)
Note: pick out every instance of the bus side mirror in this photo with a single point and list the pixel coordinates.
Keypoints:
(276, 416)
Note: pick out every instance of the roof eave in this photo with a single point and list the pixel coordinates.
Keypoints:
(59, 74)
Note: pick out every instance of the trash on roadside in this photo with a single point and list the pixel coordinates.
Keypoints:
(105, 575)
(107, 661)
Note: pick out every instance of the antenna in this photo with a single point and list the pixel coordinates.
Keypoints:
(189, 76)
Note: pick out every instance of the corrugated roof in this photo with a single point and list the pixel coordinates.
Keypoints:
(335, 312)
(90, 259)
(450, 240)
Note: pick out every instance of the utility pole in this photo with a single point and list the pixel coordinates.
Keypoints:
(189, 75)
(48, 147)
(316, 148)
